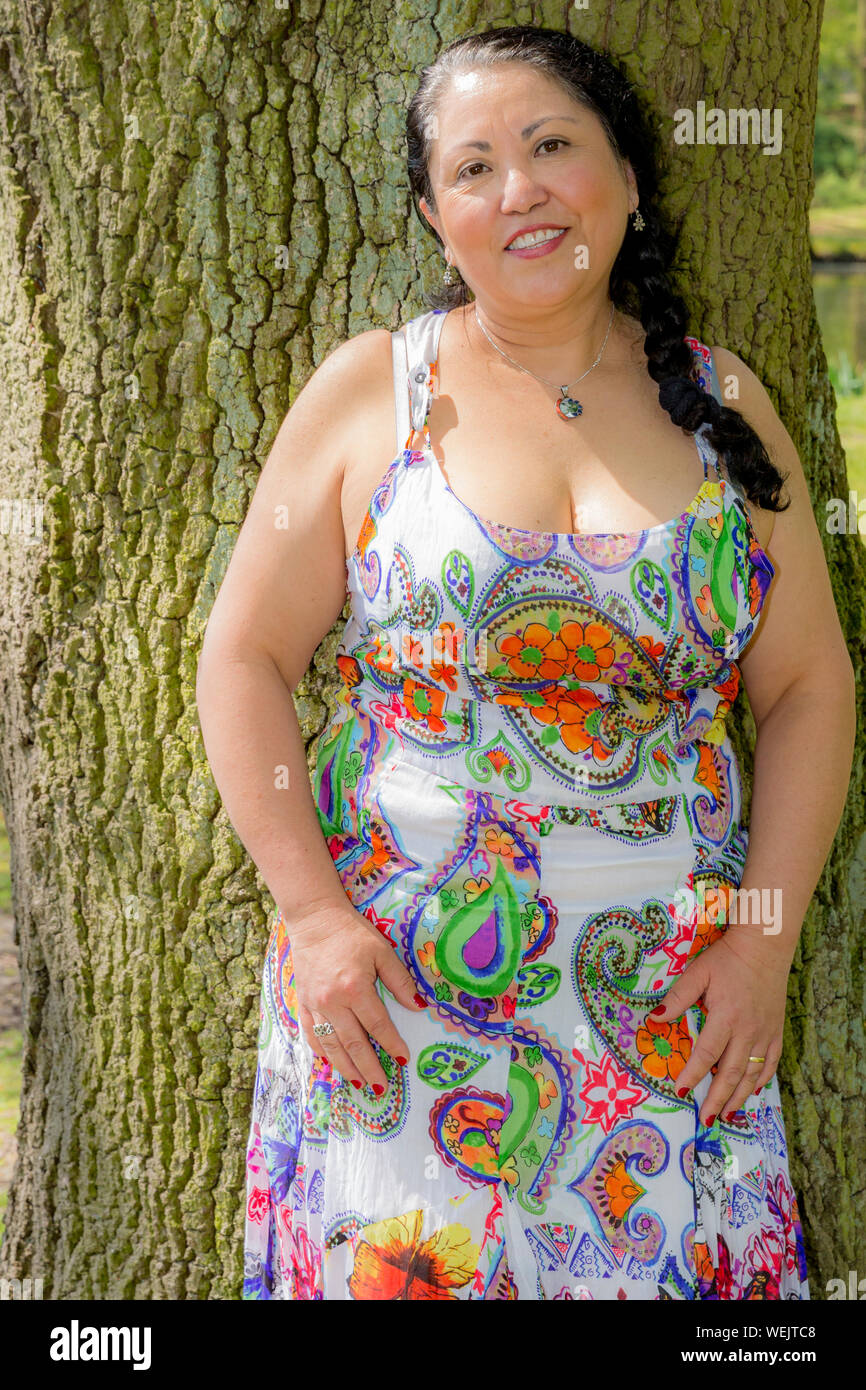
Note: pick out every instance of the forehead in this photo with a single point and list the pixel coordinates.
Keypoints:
(478, 103)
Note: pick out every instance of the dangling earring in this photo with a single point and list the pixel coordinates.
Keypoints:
(448, 277)
(638, 223)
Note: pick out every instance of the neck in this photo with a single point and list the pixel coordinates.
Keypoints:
(560, 344)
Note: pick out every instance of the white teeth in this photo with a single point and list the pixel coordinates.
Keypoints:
(536, 238)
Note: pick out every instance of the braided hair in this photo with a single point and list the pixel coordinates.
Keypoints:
(640, 283)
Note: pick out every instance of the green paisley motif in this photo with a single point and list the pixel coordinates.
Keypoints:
(479, 946)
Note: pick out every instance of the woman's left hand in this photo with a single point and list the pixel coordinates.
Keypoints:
(742, 982)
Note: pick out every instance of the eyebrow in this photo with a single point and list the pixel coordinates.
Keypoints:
(524, 134)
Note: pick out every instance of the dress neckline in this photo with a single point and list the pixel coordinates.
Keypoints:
(719, 483)
(709, 483)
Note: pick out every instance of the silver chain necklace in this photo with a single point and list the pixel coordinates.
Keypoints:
(568, 407)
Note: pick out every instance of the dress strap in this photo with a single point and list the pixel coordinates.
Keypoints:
(415, 349)
(708, 379)
(400, 362)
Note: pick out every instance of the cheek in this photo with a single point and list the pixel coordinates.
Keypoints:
(469, 219)
(587, 188)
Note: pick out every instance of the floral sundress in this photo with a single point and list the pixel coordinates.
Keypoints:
(528, 787)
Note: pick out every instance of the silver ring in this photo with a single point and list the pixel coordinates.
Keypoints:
(322, 1030)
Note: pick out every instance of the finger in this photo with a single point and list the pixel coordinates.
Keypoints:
(377, 1023)
(353, 1042)
(397, 980)
(306, 1020)
(733, 1066)
(685, 991)
(768, 1070)
(707, 1048)
(328, 1047)
(747, 1087)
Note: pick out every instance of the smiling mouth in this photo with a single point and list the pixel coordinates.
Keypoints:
(529, 239)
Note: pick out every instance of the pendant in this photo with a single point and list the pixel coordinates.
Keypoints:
(568, 407)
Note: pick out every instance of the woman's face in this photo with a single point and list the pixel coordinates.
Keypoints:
(511, 150)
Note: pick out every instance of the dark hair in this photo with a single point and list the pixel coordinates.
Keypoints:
(639, 278)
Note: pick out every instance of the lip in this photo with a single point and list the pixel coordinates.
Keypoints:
(544, 247)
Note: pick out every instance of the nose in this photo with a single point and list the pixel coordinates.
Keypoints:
(520, 190)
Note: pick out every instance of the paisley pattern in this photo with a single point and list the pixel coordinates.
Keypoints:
(526, 785)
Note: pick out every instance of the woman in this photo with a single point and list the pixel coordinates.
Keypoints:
(524, 993)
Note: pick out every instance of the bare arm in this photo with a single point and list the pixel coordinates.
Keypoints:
(283, 590)
(799, 678)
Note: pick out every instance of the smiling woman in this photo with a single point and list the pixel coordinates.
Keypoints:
(515, 1041)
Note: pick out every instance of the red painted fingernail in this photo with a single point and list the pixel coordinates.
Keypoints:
(711, 1119)
(357, 1084)
(659, 1009)
(401, 1061)
(730, 1115)
(419, 999)
(683, 1091)
(378, 1090)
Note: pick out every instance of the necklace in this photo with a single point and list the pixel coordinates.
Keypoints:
(568, 407)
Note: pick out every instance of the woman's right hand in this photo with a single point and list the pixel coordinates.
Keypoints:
(337, 956)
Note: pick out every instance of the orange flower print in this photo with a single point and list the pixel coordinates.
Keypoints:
(474, 887)
(711, 917)
(654, 650)
(536, 654)
(575, 711)
(547, 1090)
(706, 772)
(664, 1048)
(427, 957)
(621, 1190)
(376, 858)
(392, 1263)
(350, 671)
(448, 642)
(498, 841)
(704, 600)
(497, 758)
(425, 704)
(590, 643)
(508, 1171)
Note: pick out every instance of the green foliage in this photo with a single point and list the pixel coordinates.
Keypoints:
(835, 150)
(840, 124)
(847, 379)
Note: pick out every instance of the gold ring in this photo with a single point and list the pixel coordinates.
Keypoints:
(757, 1059)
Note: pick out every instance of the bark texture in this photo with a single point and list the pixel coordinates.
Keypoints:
(196, 203)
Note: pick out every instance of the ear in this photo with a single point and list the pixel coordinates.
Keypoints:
(430, 215)
(630, 179)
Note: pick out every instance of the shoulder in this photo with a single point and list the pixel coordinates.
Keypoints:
(744, 391)
(354, 363)
(338, 398)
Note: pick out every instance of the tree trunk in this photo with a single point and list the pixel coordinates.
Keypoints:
(157, 161)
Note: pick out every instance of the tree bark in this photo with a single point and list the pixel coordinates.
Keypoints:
(196, 204)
